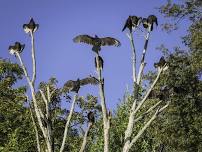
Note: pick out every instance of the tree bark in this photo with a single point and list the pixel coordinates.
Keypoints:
(67, 123)
(103, 105)
(83, 146)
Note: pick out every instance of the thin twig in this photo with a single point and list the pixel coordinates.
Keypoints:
(148, 111)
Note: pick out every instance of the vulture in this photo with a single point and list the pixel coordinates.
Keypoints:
(100, 62)
(161, 63)
(145, 23)
(91, 117)
(31, 27)
(97, 42)
(149, 21)
(132, 22)
(74, 86)
(18, 47)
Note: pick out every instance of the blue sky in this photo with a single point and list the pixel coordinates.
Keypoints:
(60, 21)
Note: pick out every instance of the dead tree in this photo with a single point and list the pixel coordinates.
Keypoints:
(137, 78)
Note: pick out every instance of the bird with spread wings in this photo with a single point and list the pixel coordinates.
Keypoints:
(97, 42)
(74, 86)
(31, 27)
(132, 22)
(18, 47)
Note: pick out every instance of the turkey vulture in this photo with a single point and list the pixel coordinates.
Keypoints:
(96, 42)
(152, 19)
(161, 63)
(100, 62)
(132, 22)
(30, 27)
(18, 47)
(145, 23)
(74, 86)
(149, 21)
(91, 117)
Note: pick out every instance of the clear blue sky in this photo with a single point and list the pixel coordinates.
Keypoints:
(60, 21)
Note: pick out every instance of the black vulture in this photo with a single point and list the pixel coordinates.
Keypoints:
(97, 42)
(74, 86)
(18, 47)
(91, 117)
(161, 63)
(100, 62)
(132, 22)
(30, 27)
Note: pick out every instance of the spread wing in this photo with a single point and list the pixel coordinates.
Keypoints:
(110, 41)
(89, 80)
(127, 24)
(84, 39)
(124, 26)
(68, 85)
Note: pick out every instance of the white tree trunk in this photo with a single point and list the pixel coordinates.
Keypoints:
(83, 146)
(104, 108)
(68, 123)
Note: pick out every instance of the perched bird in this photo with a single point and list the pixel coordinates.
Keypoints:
(151, 20)
(74, 86)
(161, 63)
(132, 22)
(18, 47)
(91, 117)
(100, 62)
(31, 27)
(96, 42)
(145, 23)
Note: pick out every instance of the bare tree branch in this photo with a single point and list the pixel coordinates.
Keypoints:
(47, 101)
(147, 125)
(33, 59)
(35, 126)
(36, 108)
(134, 110)
(67, 123)
(85, 138)
(142, 65)
(130, 36)
(148, 111)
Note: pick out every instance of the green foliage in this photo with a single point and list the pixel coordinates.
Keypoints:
(15, 128)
